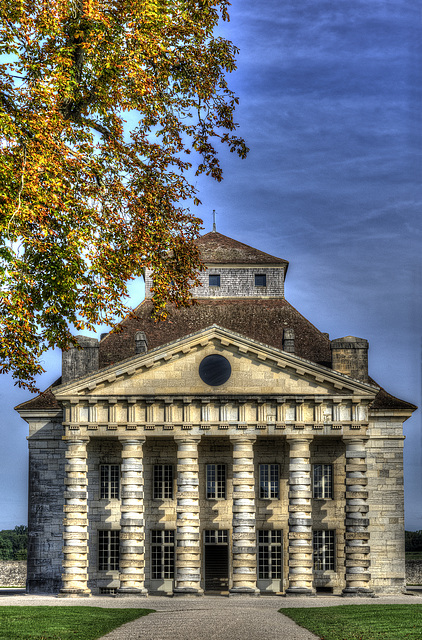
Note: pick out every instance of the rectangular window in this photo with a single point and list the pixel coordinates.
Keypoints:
(109, 481)
(213, 536)
(214, 280)
(108, 550)
(163, 481)
(324, 556)
(269, 555)
(216, 481)
(268, 481)
(323, 481)
(162, 555)
(260, 280)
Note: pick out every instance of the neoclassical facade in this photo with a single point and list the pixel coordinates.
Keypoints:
(233, 448)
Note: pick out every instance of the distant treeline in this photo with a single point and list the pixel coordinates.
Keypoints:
(13, 543)
(413, 540)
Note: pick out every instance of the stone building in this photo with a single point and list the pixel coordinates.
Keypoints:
(232, 448)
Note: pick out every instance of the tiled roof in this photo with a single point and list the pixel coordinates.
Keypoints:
(218, 249)
(260, 319)
(45, 400)
(385, 401)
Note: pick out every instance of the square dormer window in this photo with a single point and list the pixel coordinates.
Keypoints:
(260, 280)
(214, 280)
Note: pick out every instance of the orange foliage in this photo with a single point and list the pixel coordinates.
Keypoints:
(87, 202)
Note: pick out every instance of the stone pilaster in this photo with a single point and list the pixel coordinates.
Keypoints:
(75, 523)
(132, 564)
(357, 550)
(244, 527)
(300, 518)
(188, 545)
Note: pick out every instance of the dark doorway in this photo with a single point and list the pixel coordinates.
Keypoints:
(216, 567)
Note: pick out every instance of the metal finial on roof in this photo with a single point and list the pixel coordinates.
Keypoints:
(214, 228)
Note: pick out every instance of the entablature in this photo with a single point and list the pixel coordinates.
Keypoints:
(128, 430)
(212, 414)
(211, 409)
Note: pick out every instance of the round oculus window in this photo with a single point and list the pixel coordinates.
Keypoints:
(215, 370)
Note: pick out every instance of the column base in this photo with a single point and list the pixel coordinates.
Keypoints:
(299, 592)
(187, 591)
(124, 592)
(244, 591)
(74, 593)
(357, 592)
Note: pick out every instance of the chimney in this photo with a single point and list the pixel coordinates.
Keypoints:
(77, 362)
(349, 355)
(141, 344)
(289, 340)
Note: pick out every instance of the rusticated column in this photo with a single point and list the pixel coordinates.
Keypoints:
(300, 518)
(357, 548)
(75, 523)
(132, 564)
(188, 549)
(244, 527)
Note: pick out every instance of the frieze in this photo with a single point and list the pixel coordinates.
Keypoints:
(266, 430)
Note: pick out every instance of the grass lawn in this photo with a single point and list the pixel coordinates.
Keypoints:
(62, 623)
(361, 622)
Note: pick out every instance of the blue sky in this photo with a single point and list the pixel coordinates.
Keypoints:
(330, 106)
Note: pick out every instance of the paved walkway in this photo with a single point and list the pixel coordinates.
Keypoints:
(209, 617)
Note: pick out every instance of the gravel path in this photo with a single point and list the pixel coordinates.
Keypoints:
(209, 617)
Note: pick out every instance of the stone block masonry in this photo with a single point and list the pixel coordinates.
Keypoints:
(45, 513)
(12, 573)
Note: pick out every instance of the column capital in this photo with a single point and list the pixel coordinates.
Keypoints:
(130, 440)
(243, 438)
(355, 439)
(186, 439)
(302, 437)
(80, 440)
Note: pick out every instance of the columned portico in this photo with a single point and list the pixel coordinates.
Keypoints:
(357, 548)
(132, 571)
(75, 523)
(188, 544)
(244, 516)
(300, 517)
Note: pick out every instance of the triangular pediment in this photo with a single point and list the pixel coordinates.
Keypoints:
(255, 368)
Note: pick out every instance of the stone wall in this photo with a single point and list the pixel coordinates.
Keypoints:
(385, 486)
(235, 282)
(45, 516)
(12, 573)
(414, 572)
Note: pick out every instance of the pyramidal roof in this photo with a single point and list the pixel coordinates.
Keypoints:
(219, 249)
